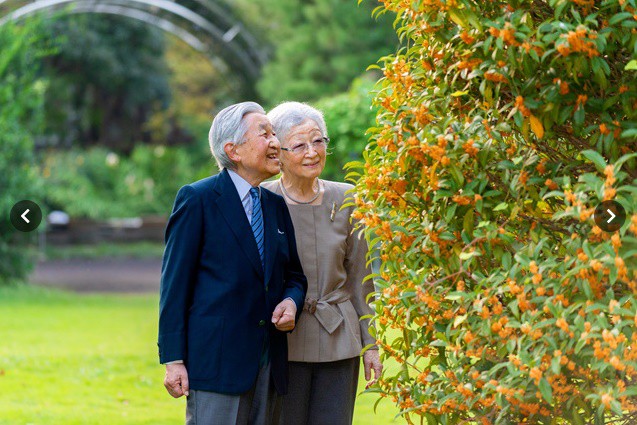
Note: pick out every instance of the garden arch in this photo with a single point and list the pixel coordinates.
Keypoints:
(208, 26)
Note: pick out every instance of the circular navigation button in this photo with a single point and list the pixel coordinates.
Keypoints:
(26, 216)
(610, 216)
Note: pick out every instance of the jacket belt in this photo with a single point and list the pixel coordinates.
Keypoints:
(324, 310)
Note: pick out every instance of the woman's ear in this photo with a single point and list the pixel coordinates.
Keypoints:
(231, 150)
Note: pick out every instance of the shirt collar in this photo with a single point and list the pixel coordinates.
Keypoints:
(242, 186)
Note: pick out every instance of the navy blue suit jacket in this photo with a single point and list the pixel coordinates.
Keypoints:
(216, 299)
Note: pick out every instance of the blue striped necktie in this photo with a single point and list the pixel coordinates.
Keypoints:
(257, 221)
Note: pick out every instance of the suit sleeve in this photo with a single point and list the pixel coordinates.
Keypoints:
(355, 259)
(295, 280)
(179, 268)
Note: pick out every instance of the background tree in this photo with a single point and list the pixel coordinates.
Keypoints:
(21, 97)
(347, 116)
(502, 126)
(319, 46)
(198, 89)
(102, 93)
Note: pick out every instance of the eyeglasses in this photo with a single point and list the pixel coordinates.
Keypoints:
(301, 148)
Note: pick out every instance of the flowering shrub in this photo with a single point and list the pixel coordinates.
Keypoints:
(502, 125)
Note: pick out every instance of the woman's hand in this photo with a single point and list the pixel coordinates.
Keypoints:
(371, 360)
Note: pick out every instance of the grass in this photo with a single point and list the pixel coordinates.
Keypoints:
(77, 359)
(110, 250)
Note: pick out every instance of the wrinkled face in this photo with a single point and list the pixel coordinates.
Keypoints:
(307, 158)
(259, 154)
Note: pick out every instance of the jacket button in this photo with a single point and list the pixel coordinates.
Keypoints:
(261, 322)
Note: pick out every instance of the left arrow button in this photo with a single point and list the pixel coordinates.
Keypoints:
(26, 216)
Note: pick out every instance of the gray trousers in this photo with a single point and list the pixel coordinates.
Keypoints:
(261, 405)
(321, 393)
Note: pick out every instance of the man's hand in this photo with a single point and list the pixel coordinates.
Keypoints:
(371, 360)
(284, 315)
(176, 380)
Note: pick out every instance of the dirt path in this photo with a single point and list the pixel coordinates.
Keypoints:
(100, 275)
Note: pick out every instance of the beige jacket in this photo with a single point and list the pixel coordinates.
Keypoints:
(333, 260)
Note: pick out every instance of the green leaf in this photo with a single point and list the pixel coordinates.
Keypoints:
(577, 417)
(458, 320)
(619, 17)
(431, 419)
(467, 255)
(546, 390)
(596, 159)
(632, 65)
(501, 206)
(468, 222)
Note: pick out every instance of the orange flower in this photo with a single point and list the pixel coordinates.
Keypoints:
(581, 100)
(579, 41)
(561, 323)
(466, 37)
(461, 199)
(494, 76)
(606, 400)
(519, 104)
(541, 167)
(550, 184)
(469, 148)
(536, 374)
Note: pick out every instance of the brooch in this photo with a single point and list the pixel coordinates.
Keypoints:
(333, 213)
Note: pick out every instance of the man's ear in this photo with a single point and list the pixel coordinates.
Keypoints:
(231, 150)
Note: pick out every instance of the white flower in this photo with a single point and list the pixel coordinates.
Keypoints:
(112, 159)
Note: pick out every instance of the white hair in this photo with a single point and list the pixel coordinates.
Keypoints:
(229, 126)
(290, 114)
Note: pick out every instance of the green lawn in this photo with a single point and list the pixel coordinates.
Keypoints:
(77, 359)
(106, 249)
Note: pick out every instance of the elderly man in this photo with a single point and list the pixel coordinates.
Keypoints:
(231, 280)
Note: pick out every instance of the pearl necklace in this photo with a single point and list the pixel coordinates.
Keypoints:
(287, 195)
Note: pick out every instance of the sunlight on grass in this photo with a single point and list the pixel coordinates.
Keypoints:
(76, 359)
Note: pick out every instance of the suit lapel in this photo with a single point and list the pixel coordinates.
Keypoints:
(232, 210)
(271, 236)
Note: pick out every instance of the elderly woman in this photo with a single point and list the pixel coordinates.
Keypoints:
(325, 347)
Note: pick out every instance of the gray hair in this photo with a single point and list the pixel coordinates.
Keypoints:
(229, 126)
(290, 114)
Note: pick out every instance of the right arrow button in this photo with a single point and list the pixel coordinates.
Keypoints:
(610, 216)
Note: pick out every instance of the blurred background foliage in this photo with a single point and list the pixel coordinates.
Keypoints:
(319, 46)
(348, 115)
(118, 88)
(107, 76)
(105, 116)
(21, 97)
(98, 183)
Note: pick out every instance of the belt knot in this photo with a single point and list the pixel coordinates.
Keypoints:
(310, 305)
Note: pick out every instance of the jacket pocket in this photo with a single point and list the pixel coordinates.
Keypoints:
(204, 346)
